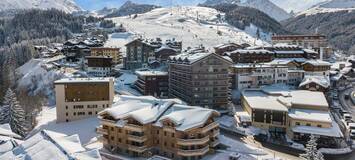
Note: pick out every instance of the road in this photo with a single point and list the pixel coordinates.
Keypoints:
(282, 152)
(347, 103)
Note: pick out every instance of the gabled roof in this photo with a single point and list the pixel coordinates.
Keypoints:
(188, 58)
(320, 80)
(151, 110)
(50, 145)
(317, 63)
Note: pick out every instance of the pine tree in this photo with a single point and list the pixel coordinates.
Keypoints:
(311, 150)
(17, 117)
(5, 109)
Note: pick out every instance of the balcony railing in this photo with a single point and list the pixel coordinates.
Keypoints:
(102, 131)
(194, 152)
(209, 127)
(137, 138)
(133, 127)
(138, 149)
(106, 121)
(188, 142)
(214, 143)
(214, 133)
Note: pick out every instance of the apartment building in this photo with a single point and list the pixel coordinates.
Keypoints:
(317, 42)
(145, 126)
(295, 70)
(296, 113)
(141, 53)
(79, 98)
(228, 47)
(113, 53)
(256, 75)
(315, 83)
(154, 83)
(200, 79)
(98, 66)
(250, 55)
(316, 68)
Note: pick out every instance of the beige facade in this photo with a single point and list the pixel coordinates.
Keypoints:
(113, 53)
(200, 79)
(160, 132)
(81, 98)
(291, 112)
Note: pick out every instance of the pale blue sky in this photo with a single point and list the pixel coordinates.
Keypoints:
(288, 5)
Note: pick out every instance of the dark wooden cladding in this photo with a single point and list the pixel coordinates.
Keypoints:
(87, 92)
(99, 62)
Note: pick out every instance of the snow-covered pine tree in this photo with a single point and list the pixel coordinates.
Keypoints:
(18, 118)
(311, 150)
(5, 109)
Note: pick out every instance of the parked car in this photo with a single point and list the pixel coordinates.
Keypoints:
(234, 156)
(347, 117)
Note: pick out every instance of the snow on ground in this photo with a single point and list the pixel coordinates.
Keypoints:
(124, 82)
(84, 128)
(181, 23)
(335, 151)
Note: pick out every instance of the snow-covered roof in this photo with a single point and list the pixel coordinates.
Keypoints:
(186, 117)
(317, 62)
(333, 131)
(147, 109)
(289, 52)
(281, 99)
(5, 130)
(82, 80)
(250, 51)
(190, 58)
(320, 80)
(151, 73)
(49, 145)
(310, 115)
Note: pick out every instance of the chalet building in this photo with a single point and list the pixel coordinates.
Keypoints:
(250, 56)
(229, 47)
(75, 49)
(256, 75)
(296, 113)
(141, 53)
(145, 126)
(295, 71)
(154, 83)
(114, 53)
(200, 79)
(98, 66)
(292, 51)
(316, 67)
(315, 42)
(46, 145)
(315, 83)
(79, 98)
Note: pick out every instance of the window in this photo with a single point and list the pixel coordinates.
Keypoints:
(308, 124)
(164, 133)
(74, 113)
(78, 106)
(90, 113)
(172, 135)
(298, 123)
(66, 107)
(165, 144)
(119, 140)
(81, 113)
(319, 125)
(66, 114)
(157, 131)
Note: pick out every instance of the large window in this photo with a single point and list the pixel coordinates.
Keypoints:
(259, 116)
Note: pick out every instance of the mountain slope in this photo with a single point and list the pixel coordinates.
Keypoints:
(338, 26)
(263, 5)
(241, 17)
(130, 8)
(182, 23)
(68, 6)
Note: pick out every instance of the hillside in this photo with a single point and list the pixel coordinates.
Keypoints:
(337, 26)
(333, 18)
(67, 6)
(130, 8)
(241, 17)
(182, 23)
(265, 6)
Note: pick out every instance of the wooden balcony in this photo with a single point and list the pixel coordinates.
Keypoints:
(195, 152)
(209, 127)
(189, 142)
(100, 130)
(133, 127)
(215, 133)
(169, 129)
(139, 139)
(214, 143)
(138, 149)
(106, 122)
